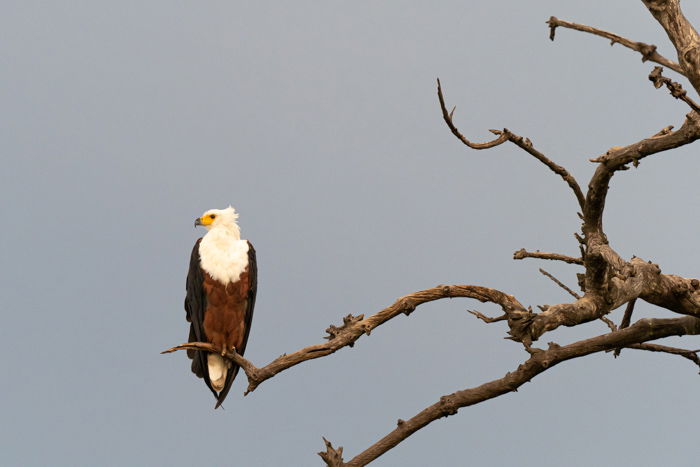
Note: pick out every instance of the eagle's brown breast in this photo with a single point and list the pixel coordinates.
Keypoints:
(224, 319)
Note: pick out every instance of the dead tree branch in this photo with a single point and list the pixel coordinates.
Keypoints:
(523, 253)
(355, 327)
(506, 135)
(648, 51)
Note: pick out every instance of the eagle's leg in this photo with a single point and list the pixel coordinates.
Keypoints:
(224, 351)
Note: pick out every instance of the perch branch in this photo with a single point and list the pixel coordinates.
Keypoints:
(355, 327)
(523, 253)
(506, 135)
(644, 330)
(648, 51)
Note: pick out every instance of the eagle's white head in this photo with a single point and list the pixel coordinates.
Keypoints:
(224, 219)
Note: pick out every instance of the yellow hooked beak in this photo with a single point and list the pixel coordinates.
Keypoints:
(204, 220)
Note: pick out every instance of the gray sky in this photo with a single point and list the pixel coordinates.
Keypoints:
(318, 121)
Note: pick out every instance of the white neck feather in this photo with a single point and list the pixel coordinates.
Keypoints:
(223, 254)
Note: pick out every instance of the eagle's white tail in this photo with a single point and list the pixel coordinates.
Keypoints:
(217, 371)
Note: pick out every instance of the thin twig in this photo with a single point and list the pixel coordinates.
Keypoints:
(561, 284)
(526, 145)
(609, 323)
(488, 319)
(691, 355)
(648, 51)
(674, 87)
(626, 320)
(523, 253)
(627, 317)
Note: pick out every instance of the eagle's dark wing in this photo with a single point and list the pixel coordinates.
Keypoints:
(195, 306)
(252, 291)
(250, 305)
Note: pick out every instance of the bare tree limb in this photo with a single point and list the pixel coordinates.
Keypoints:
(355, 327)
(523, 143)
(644, 330)
(648, 51)
(560, 284)
(523, 253)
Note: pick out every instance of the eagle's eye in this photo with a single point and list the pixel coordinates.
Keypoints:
(213, 216)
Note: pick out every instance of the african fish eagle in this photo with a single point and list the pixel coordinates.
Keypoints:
(221, 287)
